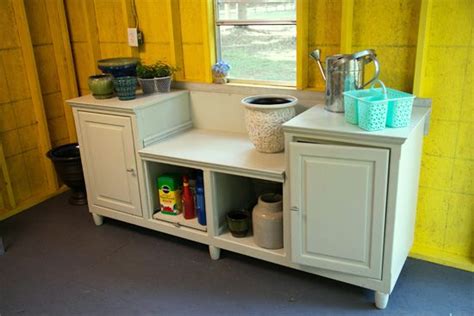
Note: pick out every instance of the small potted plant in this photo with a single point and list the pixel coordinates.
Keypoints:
(220, 71)
(163, 76)
(146, 77)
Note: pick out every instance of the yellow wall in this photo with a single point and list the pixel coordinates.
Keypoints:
(43, 48)
(181, 33)
(445, 219)
(390, 27)
(32, 111)
(324, 29)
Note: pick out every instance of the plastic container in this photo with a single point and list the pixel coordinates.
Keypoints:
(200, 201)
(351, 104)
(373, 113)
(169, 193)
(400, 105)
(188, 200)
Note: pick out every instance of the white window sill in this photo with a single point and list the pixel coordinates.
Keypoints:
(249, 89)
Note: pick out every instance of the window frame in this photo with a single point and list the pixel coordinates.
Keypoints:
(218, 23)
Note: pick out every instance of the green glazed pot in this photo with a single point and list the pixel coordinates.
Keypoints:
(238, 223)
(101, 86)
(125, 87)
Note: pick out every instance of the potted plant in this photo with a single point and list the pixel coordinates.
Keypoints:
(220, 71)
(163, 76)
(146, 77)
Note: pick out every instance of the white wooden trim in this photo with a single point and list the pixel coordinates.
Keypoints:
(150, 140)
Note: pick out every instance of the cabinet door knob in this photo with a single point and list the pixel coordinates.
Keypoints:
(294, 209)
(131, 170)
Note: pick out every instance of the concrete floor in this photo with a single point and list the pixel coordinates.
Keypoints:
(58, 263)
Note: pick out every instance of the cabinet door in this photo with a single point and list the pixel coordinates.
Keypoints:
(109, 161)
(338, 198)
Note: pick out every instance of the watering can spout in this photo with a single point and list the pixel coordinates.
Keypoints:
(316, 55)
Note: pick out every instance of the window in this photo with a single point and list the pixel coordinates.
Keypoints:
(258, 39)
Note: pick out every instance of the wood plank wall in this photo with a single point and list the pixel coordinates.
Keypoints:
(445, 218)
(32, 109)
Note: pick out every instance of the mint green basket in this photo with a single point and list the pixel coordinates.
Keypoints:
(351, 104)
(372, 110)
(400, 105)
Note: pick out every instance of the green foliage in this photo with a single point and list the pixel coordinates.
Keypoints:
(145, 71)
(163, 70)
(260, 53)
(156, 70)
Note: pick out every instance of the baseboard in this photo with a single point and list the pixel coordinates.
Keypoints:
(441, 257)
(32, 202)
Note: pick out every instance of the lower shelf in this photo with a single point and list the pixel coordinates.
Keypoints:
(179, 220)
(248, 244)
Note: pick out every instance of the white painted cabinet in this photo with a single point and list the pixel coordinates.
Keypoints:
(107, 145)
(338, 200)
(110, 134)
(352, 197)
(349, 196)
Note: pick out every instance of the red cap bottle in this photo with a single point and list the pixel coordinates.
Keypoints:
(188, 200)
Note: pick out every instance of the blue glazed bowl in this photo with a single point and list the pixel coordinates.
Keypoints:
(119, 67)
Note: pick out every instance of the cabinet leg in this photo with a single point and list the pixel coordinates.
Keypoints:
(381, 300)
(98, 219)
(214, 252)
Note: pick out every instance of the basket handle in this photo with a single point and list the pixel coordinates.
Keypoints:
(384, 89)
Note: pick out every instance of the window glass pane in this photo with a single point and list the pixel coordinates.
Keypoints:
(256, 9)
(260, 52)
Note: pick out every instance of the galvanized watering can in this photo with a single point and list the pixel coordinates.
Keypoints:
(345, 72)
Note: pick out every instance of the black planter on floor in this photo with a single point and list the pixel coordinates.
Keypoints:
(67, 162)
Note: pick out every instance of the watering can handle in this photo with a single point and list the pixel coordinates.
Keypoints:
(372, 57)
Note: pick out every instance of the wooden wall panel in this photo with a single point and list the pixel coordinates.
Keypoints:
(112, 28)
(28, 126)
(8, 33)
(84, 40)
(157, 30)
(47, 68)
(323, 32)
(392, 35)
(192, 21)
(445, 219)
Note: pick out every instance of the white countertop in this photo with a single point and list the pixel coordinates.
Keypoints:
(218, 150)
(141, 101)
(318, 121)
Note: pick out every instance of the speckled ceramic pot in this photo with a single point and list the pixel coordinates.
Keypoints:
(101, 86)
(264, 116)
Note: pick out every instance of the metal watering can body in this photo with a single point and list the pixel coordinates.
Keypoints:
(344, 73)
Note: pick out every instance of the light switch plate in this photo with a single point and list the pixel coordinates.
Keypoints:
(132, 37)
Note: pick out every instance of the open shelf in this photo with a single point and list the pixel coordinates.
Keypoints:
(235, 176)
(247, 243)
(230, 193)
(153, 171)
